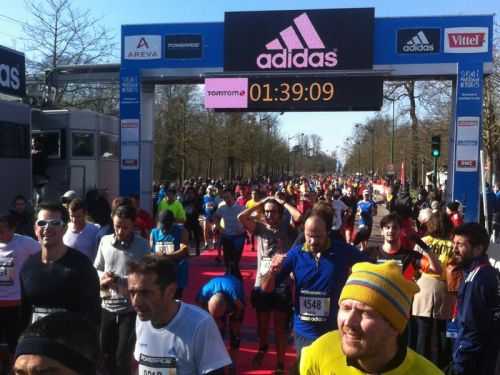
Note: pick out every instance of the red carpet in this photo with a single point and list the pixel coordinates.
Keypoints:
(203, 268)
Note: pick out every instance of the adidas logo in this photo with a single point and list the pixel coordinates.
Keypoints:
(301, 49)
(419, 43)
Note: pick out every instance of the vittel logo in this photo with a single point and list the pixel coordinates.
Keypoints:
(142, 47)
(310, 52)
(466, 40)
(10, 77)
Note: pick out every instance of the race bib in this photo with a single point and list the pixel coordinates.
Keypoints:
(42, 312)
(164, 248)
(157, 365)
(265, 265)
(7, 271)
(314, 306)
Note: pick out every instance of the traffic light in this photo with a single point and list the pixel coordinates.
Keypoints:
(436, 146)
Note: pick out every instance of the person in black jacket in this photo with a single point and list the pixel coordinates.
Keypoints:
(478, 320)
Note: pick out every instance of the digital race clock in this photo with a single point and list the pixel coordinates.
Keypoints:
(314, 94)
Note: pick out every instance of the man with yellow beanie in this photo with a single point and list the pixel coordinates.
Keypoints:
(375, 306)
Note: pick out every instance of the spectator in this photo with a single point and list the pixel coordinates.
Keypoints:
(478, 319)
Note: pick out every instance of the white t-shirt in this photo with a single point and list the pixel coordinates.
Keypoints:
(232, 226)
(13, 254)
(84, 241)
(189, 344)
(338, 207)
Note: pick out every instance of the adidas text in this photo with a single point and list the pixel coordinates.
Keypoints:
(300, 59)
(419, 48)
(9, 77)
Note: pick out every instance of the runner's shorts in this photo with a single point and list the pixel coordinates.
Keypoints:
(267, 302)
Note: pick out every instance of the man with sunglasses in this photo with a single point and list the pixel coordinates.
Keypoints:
(58, 278)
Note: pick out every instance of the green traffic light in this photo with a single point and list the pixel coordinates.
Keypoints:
(435, 153)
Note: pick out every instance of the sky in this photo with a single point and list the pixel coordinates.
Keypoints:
(333, 127)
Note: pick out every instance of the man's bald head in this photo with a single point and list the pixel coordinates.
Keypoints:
(217, 305)
(316, 234)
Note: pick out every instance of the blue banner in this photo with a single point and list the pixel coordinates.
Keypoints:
(467, 134)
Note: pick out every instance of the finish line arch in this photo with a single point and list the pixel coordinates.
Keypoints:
(330, 44)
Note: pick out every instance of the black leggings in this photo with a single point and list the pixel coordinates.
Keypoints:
(194, 229)
(117, 341)
(233, 248)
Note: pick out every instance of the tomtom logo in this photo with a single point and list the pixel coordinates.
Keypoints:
(226, 92)
(9, 77)
(305, 57)
(466, 40)
(142, 47)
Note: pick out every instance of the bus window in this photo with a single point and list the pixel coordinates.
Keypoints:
(109, 146)
(82, 145)
(14, 140)
(52, 141)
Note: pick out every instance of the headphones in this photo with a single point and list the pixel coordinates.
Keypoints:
(122, 244)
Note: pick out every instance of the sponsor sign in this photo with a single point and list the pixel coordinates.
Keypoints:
(298, 40)
(467, 143)
(183, 46)
(12, 72)
(129, 137)
(226, 93)
(466, 40)
(414, 41)
(130, 155)
(129, 130)
(142, 47)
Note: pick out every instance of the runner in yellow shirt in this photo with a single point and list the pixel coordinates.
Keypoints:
(374, 309)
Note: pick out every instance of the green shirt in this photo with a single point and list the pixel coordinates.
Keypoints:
(175, 207)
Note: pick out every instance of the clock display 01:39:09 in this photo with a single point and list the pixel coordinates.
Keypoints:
(291, 92)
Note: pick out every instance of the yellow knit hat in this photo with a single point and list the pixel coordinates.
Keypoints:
(384, 288)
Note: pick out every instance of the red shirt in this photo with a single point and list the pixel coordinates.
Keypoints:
(144, 222)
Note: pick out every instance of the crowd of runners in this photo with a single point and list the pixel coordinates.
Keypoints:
(91, 287)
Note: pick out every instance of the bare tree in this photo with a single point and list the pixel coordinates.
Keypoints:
(60, 34)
